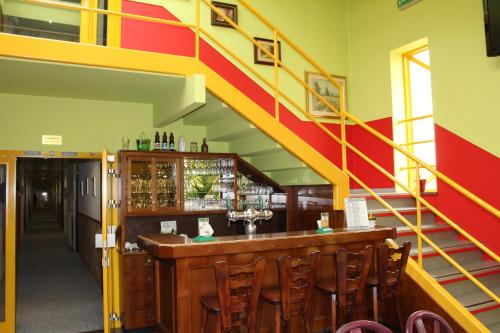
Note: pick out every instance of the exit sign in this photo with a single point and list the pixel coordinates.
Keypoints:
(403, 4)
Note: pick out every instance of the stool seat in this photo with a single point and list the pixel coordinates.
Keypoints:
(327, 287)
(271, 295)
(211, 303)
(372, 280)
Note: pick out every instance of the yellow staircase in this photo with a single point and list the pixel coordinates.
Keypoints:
(87, 53)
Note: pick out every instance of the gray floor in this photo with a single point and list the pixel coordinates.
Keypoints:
(55, 292)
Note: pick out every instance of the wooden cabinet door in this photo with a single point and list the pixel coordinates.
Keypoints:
(167, 184)
(140, 184)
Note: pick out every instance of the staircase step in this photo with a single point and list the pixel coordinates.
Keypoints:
(472, 261)
(230, 128)
(469, 295)
(490, 318)
(254, 145)
(297, 177)
(277, 162)
(392, 221)
(426, 229)
(395, 200)
(214, 110)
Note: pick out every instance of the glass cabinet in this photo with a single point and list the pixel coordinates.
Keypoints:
(157, 183)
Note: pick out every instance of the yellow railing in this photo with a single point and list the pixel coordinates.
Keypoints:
(90, 10)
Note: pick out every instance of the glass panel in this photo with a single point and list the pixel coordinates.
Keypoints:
(102, 22)
(140, 179)
(423, 57)
(21, 18)
(423, 129)
(166, 184)
(421, 92)
(208, 184)
(257, 196)
(3, 213)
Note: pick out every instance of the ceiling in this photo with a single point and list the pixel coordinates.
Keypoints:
(27, 77)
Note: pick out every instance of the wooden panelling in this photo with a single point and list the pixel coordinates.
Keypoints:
(87, 228)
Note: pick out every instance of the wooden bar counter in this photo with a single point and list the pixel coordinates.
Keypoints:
(184, 269)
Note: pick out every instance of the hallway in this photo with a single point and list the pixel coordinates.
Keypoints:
(55, 292)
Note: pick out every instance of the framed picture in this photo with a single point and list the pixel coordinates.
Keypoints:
(229, 10)
(87, 185)
(260, 57)
(328, 90)
(82, 187)
(93, 186)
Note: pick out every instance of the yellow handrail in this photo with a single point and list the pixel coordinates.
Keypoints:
(343, 116)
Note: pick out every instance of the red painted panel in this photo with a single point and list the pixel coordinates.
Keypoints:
(376, 150)
(155, 37)
(478, 171)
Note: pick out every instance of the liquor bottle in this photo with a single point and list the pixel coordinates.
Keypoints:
(204, 146)
(171, 142)
(157, 145)
(164, 142)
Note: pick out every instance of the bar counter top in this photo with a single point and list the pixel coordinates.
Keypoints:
(169, 246)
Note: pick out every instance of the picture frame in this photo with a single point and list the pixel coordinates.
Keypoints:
(229, 10)
(259, 57)
(94, 186)
(326, 89)
(82, 188)
(87, 185)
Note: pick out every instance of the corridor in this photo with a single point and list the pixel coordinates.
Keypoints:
(55, 291)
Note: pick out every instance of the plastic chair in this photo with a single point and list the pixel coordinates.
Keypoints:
(416, 319)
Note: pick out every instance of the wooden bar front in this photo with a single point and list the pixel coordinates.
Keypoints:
(184, 269)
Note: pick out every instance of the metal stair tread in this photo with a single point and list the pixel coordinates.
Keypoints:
(448, 272)
(452, 246)
(399, 210)
(391, 195)
(469, 295)
(425, 227)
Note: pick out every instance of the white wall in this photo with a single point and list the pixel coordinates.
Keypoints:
(88, 204)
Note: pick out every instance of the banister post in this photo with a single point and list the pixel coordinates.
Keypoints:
(276, 84)
(419, 215)
(197, 38)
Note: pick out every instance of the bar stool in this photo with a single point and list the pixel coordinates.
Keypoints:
(347, 287)
(294, 297)
(238, 289)
(391, 263)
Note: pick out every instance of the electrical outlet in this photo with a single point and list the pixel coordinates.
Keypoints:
(168, 227)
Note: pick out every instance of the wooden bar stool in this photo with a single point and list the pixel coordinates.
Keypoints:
(294, 297)
(347, 287)
(391, 264)
(238, 289)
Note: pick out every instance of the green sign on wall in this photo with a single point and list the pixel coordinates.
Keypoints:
(402, 4)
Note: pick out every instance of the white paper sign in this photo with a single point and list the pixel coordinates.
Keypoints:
(204, 228)
(356, 213)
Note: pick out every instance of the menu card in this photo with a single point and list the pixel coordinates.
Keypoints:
(356, 213)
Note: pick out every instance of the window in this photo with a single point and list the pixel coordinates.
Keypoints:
(417, 122)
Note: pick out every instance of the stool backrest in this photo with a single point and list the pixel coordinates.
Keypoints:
(391, 265)
(238, 289)
(352, 270)
(416, 320)
(297, 279)
(359, 325)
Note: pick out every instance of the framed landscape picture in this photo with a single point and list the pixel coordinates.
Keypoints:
(229, 10)
(328, 90)
(260, 57)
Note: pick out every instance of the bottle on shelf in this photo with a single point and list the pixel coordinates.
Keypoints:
(182, 143)
(171, 142)
(204, 146)
(164, 142)
(157, 145)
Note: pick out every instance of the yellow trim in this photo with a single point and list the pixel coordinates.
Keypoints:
(8, 326)
(420, 63)
(415, 143)
(415, 118)
(106, 288)
(49, 154)
(114, 24)
(276, 81)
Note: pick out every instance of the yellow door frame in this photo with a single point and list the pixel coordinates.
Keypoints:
(9, 325)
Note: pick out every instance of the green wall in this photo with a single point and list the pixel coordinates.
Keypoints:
(465, 82)
(319, 27)
(85, 125)
(36, 12)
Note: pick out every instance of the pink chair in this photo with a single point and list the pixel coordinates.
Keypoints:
(359, 325)
(416, 319)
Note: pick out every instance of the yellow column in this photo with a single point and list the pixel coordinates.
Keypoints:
(114, 24)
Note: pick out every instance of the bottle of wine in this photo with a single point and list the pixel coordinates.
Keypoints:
(204, 146)
(171, 142)
(157, 145)
(164, 142)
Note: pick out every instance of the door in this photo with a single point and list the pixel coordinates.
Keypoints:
(109, 223)
(7, 246)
